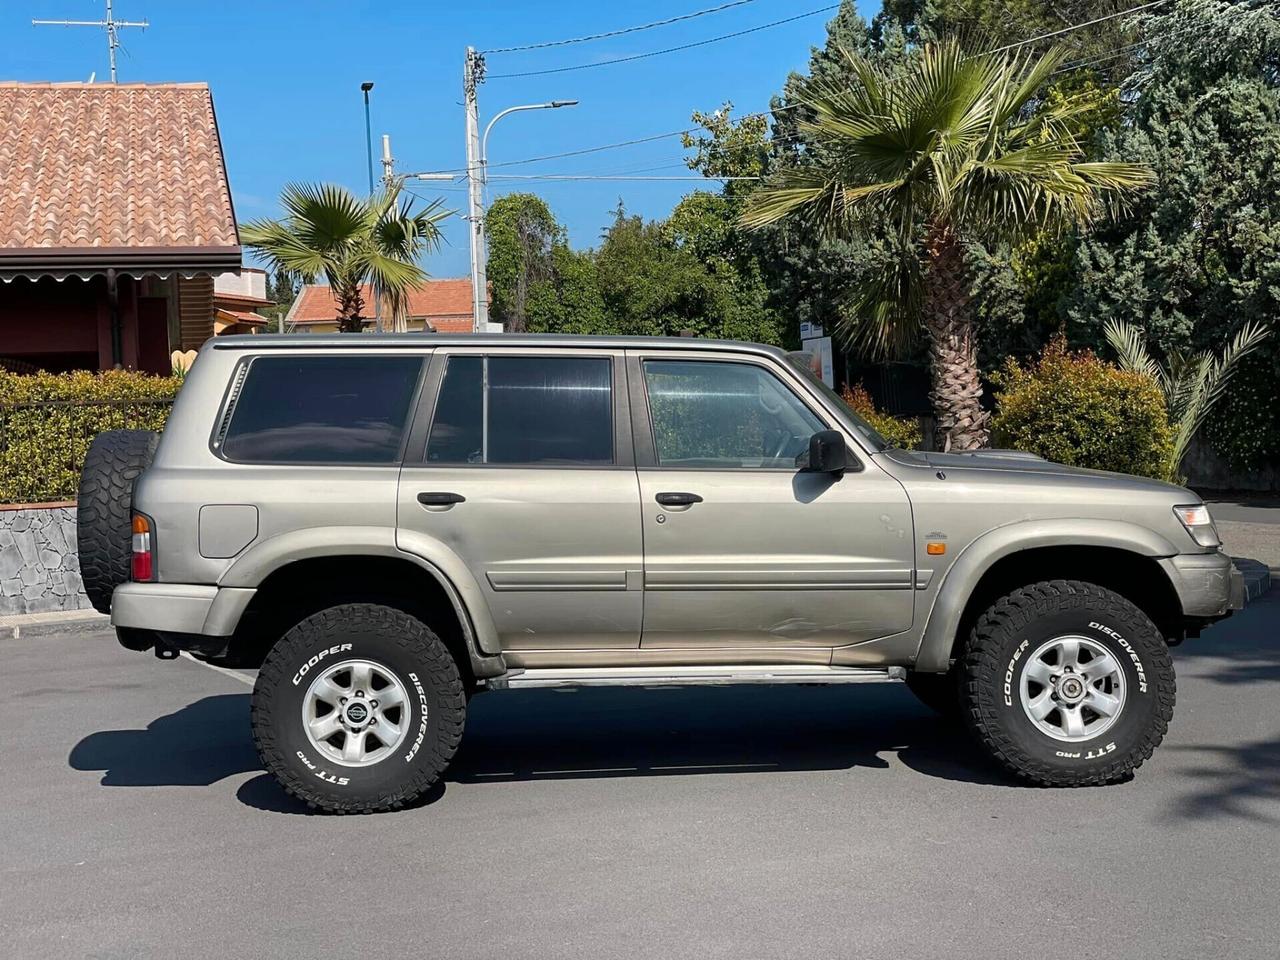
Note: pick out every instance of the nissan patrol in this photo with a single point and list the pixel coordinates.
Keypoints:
(389, 525)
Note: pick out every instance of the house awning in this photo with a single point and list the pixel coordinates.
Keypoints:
(137, 262)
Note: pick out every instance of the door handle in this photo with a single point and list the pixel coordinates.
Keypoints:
(678, 499)
(440, 499)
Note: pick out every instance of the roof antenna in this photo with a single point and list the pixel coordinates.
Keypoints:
(110, 24)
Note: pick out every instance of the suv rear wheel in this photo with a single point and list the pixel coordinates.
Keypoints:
(1067, 684)
(359, 708)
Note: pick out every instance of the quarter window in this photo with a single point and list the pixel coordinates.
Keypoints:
(524, 410)
(304, 409)
(727, 415)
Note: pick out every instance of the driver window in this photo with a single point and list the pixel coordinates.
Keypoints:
(726, 415)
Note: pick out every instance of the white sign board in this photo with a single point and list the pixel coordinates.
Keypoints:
(820, 359)
(810, 331)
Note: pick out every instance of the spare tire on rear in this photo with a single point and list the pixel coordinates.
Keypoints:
(104, 510)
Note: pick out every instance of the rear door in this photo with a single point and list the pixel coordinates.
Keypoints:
(741, 548)
(521, 462)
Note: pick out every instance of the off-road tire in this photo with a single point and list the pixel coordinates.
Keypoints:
(392, 639)
(940, 692)
(104, 509)
(998, 650)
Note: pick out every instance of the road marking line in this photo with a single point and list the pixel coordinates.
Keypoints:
(223, 670)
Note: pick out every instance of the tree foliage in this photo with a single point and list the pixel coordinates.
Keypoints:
(1198, 255)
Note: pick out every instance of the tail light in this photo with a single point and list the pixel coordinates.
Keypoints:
(143, 567)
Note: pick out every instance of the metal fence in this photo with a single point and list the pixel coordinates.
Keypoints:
(43, 444)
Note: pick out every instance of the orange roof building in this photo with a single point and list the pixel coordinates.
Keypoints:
(439, 305)
(115, 215)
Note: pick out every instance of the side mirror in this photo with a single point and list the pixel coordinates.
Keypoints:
(827, 454)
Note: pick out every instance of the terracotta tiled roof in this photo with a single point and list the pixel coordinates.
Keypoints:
(114, 166)
(444, 303)
(243, 316)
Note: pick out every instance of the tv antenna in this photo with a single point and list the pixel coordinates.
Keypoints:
(110, 24)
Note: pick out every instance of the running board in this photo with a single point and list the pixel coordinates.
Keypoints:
(692, 675)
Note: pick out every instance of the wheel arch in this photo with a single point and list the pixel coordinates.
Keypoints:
(300, 581)
(1123, 558)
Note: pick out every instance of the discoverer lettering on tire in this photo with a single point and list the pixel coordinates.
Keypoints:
(1067, 683)
(305, 745)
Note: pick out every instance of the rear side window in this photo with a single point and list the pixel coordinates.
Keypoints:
(322, 410)
(524, 410)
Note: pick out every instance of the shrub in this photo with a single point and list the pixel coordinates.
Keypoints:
(901, 432)
(47, 422)
(1076, 409)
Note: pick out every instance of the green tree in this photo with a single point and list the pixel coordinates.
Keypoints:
(949, 148)
(523, 234)
(1198, 255)
(328, 232)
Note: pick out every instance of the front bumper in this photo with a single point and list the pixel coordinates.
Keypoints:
(179, 608)
(1208, 584)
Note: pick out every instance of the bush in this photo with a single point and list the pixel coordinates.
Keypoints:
(1075, 409)
(47, 422)
(901, 432)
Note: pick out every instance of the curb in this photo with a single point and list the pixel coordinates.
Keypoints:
(1257, 577)
(13, 627)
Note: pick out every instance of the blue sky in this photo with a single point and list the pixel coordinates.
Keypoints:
(286, 78)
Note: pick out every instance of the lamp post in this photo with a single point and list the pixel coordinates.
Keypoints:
(477, 177)
(368, 129)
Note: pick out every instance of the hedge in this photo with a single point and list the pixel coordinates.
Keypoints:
(902, 432)
(47, 422)
(1076, 409)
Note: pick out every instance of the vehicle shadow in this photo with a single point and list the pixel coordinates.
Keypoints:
(585, 733)
(1242, 649)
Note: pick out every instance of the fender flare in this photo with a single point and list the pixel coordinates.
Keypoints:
(434, 557)
(962, 577)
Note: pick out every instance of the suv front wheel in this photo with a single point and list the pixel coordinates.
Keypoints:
(357, 709)
(1067, 684)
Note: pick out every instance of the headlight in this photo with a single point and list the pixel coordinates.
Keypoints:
(1195, 517)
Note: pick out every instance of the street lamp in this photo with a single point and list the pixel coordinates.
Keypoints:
(368, 129)
(480, 164)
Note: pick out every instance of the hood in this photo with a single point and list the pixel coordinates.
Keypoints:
(1019, 461)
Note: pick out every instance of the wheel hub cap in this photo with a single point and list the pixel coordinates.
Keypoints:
(356, 713)
(1072, 688)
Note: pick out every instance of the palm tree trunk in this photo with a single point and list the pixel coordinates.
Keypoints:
(953, 355)
(350, 308)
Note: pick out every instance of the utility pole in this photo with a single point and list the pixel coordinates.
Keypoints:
(388, 179)
(472, 77)
(110, 24)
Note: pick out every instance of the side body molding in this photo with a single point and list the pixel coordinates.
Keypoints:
(267, 556)
(976, 559)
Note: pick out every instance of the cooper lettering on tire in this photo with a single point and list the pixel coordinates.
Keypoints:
(1067, 684)
(359, 708)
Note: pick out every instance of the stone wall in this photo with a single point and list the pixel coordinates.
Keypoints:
(39, 569)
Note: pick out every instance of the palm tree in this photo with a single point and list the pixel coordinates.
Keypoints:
(1191, 385)
(327, 231)
(951, 148)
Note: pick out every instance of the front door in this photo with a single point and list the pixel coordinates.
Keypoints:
(742, 549)
(522, 465)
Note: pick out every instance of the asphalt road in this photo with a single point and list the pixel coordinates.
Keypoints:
(733, 822)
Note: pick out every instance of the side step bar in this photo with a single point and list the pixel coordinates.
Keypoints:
(692, 675)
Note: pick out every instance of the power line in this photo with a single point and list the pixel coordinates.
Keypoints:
(619, 33)
(587, 176)
(796, 105)
(658, 53)
(1077, 26)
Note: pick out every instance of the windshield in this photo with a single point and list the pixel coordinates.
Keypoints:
(803, 362)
